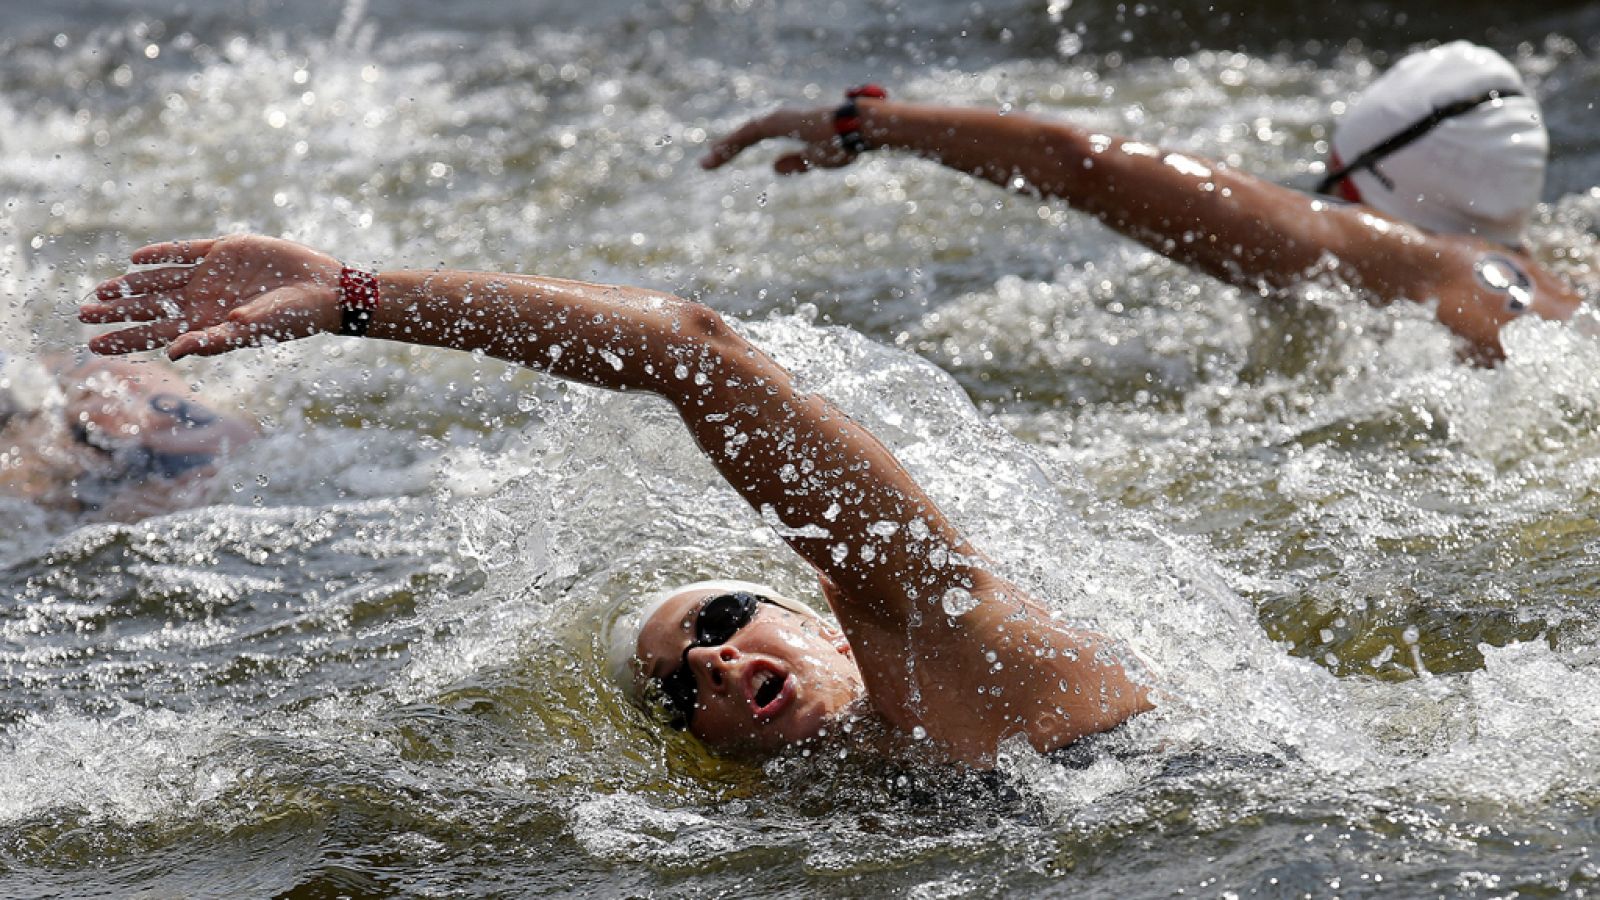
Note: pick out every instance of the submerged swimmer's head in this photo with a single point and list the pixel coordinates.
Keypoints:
(738, 665)
(1449, 140)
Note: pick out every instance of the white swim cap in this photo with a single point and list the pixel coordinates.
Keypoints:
(622, 637)
(1479, 172)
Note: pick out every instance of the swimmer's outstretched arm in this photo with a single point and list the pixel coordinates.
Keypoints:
(836, 494)
(1234, 226)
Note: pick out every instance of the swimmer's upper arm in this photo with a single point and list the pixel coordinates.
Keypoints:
(1239, 228)
(927, 621)
(1477, 286)
(833, 491)
(1482, 287)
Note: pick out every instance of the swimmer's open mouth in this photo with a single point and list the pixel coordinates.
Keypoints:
(767, 687)
(769, 690)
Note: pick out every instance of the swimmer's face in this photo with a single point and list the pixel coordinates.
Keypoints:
(777, 679)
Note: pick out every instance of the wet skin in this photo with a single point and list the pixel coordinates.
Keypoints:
(1236, 227)
(115, 405)
(738, 706)
(885, 552)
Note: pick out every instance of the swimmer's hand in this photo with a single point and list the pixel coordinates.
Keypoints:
(212, 296)
(813, 126)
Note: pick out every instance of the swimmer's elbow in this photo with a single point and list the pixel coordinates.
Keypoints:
(700, 324)
(700, 330)
(700, 338)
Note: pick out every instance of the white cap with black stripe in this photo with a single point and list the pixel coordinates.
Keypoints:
(1477, 169)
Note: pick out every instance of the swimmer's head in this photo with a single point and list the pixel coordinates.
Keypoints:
(738, 665)
(1475, 159)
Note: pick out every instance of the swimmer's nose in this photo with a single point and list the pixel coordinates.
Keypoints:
(719, 663)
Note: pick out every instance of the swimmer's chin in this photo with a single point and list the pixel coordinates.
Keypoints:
(801, 732)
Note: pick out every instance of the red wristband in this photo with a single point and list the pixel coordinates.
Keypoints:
(358, 300)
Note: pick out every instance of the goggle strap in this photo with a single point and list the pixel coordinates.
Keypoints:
(1394, 143)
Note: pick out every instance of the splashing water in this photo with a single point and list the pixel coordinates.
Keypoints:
(1359, 574)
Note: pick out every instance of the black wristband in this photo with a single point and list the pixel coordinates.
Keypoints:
(354, 322)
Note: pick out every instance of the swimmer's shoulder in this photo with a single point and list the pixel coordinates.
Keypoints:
(1500, 283)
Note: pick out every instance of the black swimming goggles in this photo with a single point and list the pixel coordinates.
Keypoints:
(718, 620)
(1394, 143)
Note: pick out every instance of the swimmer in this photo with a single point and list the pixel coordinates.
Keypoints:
(923, 619)
(1435, 171)
(117, 439)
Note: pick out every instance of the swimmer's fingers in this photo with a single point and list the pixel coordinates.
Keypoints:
(804, 125)
(213, 341)
(724, 150)
(815, 156)
(138, 308)
(147, 281)
(286, 314)
(143, 337)
(187, 252)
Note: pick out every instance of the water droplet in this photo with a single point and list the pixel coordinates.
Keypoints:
(958, 602)
(919, 733)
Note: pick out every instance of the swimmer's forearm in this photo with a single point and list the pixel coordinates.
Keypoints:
(605, 335)
(846, 504)
(835, 493)
(1233, 226)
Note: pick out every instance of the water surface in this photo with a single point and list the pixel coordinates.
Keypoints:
(1363, 572)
